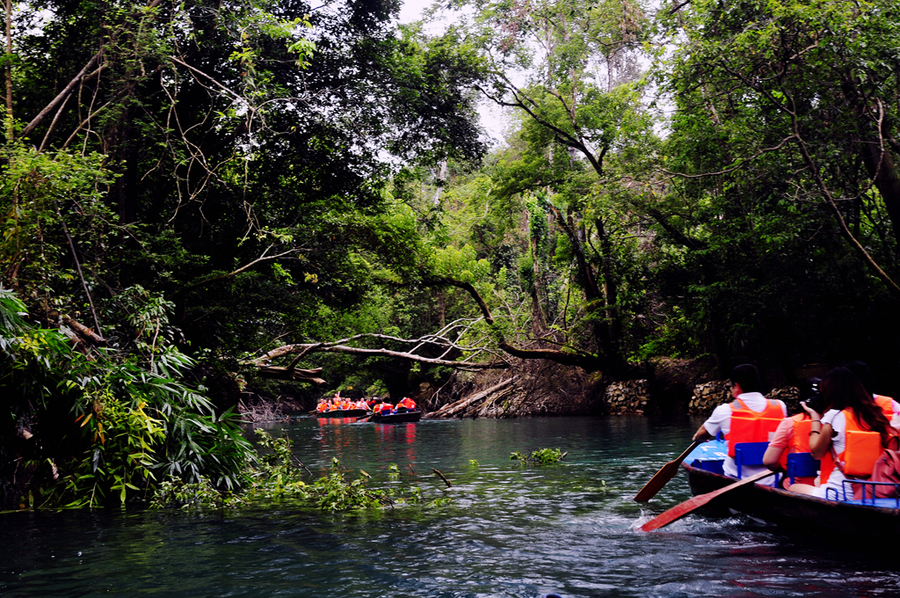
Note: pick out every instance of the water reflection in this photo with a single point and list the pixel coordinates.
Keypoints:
(510, 531)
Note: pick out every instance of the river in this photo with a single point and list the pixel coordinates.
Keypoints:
(509, 531)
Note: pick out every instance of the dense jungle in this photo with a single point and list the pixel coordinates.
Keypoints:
(211, 206)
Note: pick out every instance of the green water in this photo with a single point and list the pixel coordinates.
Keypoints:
(510, 531)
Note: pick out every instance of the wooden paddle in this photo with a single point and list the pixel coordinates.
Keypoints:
(679, 511)
(662, 477)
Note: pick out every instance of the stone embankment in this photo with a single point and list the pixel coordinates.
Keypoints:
(532, 394)
(709, 395)
(630, 396)
(633, 397)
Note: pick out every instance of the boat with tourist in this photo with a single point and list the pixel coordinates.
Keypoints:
(339, 407)
(838, 514)
(404, 411)
(397, 417)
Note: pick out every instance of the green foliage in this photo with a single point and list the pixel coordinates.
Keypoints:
(276, 477)
(103, 429)
(542, 456)
(754, 260)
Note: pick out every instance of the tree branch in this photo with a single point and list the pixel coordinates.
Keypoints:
(60, 96)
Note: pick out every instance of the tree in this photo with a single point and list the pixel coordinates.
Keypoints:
(570, 71)
(780, 152)
(223, 165)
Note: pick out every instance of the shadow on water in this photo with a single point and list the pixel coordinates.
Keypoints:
(510, 531)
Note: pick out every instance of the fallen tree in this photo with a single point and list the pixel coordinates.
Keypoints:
(439, 349)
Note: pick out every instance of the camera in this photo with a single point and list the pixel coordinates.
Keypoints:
(813, 398)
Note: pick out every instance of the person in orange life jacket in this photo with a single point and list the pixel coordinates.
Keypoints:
(748, 401)
(792, 436)
(849, 407)
(889, 406)
(383, 408)
(408, 403)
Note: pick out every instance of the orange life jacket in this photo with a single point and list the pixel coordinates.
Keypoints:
(407, 402)
(752, 426)
(862, 447)
(800, 444)
(886, 404)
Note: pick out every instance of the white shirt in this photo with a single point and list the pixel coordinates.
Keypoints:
(838, 422)
(720, 421)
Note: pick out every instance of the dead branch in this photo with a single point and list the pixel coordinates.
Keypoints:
(453, 408)
(262, 258)
(586, 361)
(282, 373)
(60, 96)
(440, 475)
(484, 408)
(440, 340)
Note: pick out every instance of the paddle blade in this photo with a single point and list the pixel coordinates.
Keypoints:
(662, 477)
(680, 510)
(656, 483)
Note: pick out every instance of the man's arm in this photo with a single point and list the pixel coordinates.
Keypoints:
(702, 434)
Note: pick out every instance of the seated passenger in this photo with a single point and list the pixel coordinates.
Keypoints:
(852, 414)
(792, 436)
(408, 403)
(748, 409)
(889, 406)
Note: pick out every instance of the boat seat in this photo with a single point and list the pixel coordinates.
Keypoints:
(863, 492)
(802, 465)
(751, 453)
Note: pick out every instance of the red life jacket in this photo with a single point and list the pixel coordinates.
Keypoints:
(862, 447)
(752, 426)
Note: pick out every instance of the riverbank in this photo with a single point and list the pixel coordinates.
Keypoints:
(670, 387)
(665, 387)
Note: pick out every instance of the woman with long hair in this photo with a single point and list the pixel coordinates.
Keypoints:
(849, 407)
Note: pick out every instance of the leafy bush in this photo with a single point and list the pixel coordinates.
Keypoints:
(274, 476)
(101, 429)
(542, 456)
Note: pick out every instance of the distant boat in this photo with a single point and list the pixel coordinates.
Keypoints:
(343, 413)
(397, 417)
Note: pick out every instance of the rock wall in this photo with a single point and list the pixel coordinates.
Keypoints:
(630, 396)
(710, 395)
(633, 397)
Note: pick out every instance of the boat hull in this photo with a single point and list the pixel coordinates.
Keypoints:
(343, 413)
(397, 418)
(797, 511)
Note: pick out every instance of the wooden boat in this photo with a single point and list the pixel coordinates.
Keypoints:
(343, 413)
(398, 417)
(870, 519)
